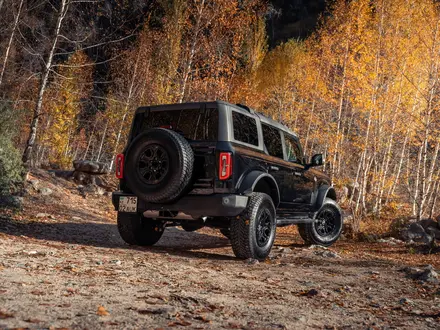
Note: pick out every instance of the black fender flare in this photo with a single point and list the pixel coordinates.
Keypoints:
(250, 181)
(324, 191)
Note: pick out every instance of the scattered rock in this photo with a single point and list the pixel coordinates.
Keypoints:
(373, 272)
(91, 189)
(406, 301)
(46, 191)
(76, 219)
(317, 247)
(312, 293)
(42, 215)
(116, 262)
(251, 261)
(327, 254)
(390, 240)
(344, 289)
(88, 166)
(169, 311)
(34, 183)
(427, 274)
(286, 250)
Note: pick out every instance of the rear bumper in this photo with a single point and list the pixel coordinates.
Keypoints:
(217, 205)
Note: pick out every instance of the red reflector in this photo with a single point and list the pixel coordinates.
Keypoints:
(120, 166)
(225, 166)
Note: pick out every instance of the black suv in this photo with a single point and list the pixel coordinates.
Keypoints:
(224, 166)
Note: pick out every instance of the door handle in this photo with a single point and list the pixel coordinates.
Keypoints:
(274, 168)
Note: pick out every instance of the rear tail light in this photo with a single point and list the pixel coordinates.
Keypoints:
(120, 166)
(225, 166)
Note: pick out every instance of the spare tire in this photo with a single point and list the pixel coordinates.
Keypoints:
(159, 165)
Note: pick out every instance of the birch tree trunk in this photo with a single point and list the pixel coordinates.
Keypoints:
(187, 69)
(11, 39)
(64, 7)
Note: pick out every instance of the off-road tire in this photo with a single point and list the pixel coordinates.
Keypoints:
(137, 230)
(308, 231)
(244, 228)
(178, 177)
(226, 232)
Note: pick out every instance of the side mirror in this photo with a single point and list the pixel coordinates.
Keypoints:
(317, 160)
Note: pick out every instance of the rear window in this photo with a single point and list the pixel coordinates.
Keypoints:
(193, 124)
(245, 128)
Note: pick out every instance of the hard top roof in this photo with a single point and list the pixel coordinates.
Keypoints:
(214, 104)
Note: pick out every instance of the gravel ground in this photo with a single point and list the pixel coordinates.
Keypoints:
(68, 268)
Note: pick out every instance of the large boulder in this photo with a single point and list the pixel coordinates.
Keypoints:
(91, 167)
(425, 231)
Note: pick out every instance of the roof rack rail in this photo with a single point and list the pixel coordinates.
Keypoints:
(245, 107)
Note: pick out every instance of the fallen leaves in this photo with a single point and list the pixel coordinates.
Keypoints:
(5, 315)
(102, 311)
(177, 323)
(309, 293)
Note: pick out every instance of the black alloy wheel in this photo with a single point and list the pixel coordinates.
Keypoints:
(153, 164)
(263, 228)
(325, 224)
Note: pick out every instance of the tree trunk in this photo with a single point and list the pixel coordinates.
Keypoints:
(43, 84)
(11, 39)
(98, 157)
(192, 52)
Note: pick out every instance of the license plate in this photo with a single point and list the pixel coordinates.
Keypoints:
(128, 204)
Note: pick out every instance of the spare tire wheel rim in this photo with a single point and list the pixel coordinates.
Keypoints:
(153, 164)
(264, 227)
(325, 224)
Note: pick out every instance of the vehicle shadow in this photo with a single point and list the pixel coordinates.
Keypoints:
(105, 235)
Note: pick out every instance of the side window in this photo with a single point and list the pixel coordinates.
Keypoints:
(272, 141)
(293, 150)
(245, 128)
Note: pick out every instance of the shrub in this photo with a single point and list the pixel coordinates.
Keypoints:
(11, 167)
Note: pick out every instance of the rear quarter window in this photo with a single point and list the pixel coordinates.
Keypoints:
(245, 128)
(272, 141)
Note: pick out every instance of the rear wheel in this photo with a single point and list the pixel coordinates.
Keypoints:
(226, 232)
(137, 230)
(253, 232)
(326, 228)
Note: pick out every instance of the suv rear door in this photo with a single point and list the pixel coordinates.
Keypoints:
(273, 146)
(301, 194)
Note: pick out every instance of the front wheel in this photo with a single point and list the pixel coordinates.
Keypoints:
(137, 230)
(326, 228)
(253, 232)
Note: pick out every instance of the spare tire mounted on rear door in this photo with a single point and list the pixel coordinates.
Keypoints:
(159, 165)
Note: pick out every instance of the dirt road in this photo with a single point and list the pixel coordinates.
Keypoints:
(68, 268)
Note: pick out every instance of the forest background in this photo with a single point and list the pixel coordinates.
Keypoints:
(361, 87)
